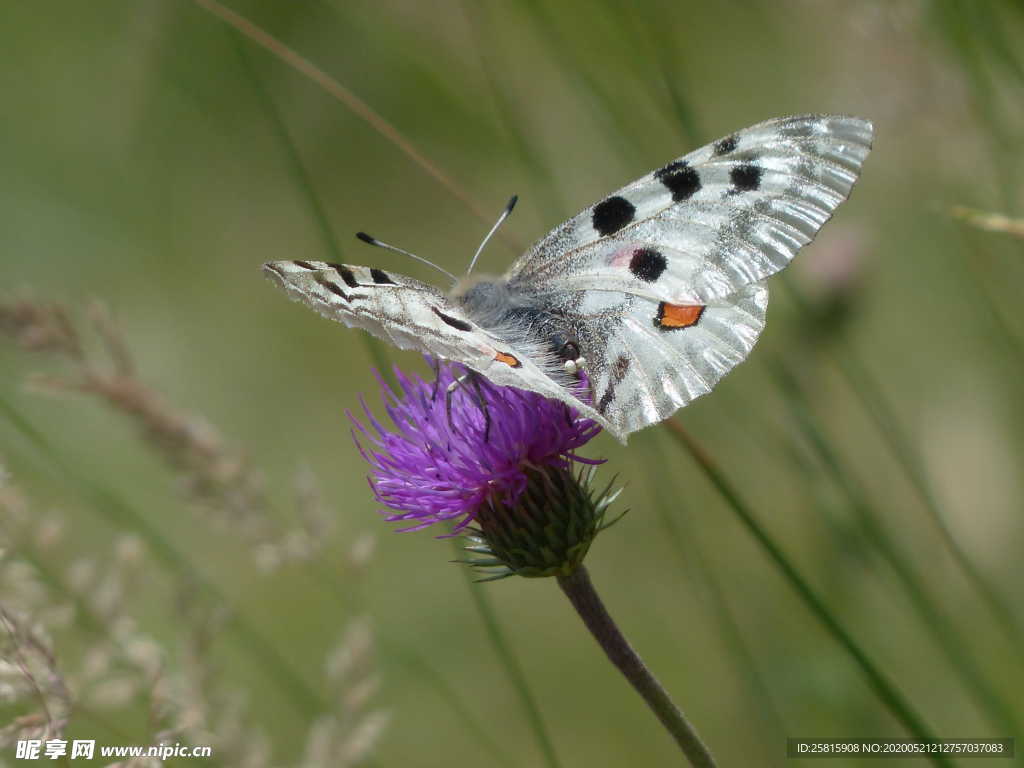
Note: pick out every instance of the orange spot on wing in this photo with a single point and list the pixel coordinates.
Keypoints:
(507, 359)
(678, 315)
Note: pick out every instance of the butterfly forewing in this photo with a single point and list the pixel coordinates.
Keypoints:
(398, 309)
(740, 207)
(414, 315)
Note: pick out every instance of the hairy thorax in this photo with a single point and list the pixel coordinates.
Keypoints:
(523, 319)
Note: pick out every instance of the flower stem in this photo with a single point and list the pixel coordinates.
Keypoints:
(584, 598)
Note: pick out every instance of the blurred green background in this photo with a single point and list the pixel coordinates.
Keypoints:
(153, 158)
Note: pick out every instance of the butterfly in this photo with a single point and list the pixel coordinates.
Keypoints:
(645, 299)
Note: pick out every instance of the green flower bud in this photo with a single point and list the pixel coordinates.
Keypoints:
(547, 532)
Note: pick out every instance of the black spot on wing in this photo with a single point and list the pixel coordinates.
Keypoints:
(332, 287)
(647, 264)
(380, 277)
(274, 269)
(681, 179)
(745, 178)
(620, 368)
(454, 322)
(346, 275)
(303, 264)
(726, 145)
(618, 373)
(612, 214)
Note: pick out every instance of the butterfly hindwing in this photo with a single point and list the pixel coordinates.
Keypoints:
(658, 357)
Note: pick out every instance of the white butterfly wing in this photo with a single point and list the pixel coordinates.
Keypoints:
(646, 359)
(414, 315)
(729, 214)
(662, 280)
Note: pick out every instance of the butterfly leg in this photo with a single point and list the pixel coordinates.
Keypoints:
(568, 415)
(481, 402)
(448, 398)
(435, 363)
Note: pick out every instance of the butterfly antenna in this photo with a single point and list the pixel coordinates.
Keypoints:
(374, 241)
(504, 215)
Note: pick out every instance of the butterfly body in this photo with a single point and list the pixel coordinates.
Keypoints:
(654, 292)
(524, 320)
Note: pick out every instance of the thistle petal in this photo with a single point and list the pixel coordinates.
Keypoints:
(428, 468)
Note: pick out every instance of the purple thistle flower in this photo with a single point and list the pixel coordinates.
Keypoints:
(428, 469)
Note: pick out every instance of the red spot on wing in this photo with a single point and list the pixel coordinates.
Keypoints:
(673, 316)
(507, 359)
(622, 256)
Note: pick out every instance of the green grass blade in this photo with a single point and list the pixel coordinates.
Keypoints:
(976, 35)
(976, 253)
(465, 715)
(887, 422)
(123, 516)
(420, 667)
(509, 116)
(511, 664)
(379, 355)
(694, 563)
(886, 691)
(304, 184)
(346, 97)
(941, 629)
(84, 618)
(605, 107)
